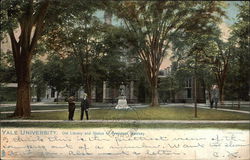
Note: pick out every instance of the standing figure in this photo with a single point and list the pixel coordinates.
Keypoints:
(72, 106)
(214, 96)
(122, 90)
(84, 107)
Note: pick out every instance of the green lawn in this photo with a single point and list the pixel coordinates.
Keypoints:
(124, 125)
(156, 113)
(64, 105)
(149, 113)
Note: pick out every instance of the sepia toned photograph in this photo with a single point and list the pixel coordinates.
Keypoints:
(125, 80)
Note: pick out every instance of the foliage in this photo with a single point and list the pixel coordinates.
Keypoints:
(100, 49)
(62, 75)
(7, 70)
(240, 66)
(27, 18)
(72, 73)
(152, 24)
(206, 55)
(37, 78)
(54, 74)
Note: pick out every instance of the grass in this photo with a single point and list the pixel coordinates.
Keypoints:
(124, 125)
(167, 113)
(149, 113)
(64, 105)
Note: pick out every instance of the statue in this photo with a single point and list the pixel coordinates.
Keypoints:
(122, 90)
(122, 102)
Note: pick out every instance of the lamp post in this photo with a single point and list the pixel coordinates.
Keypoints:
(195, 87)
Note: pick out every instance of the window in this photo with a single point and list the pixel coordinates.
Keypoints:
(188, 83)
(188, 87)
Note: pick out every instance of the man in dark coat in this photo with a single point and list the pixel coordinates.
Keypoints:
(84, 107)
(72, 106)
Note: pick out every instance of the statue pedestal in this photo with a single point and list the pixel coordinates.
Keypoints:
(122, 103)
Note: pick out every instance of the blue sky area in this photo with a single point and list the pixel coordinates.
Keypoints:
(231, 11)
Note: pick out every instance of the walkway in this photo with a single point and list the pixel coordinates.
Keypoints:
(205, 106)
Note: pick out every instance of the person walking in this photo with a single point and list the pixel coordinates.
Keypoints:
(71, 107)
(214, 96)
(84, 107)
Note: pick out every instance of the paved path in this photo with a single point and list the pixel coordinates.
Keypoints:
(41, 111)
(35, 104)
(205, 106)
(136, 121)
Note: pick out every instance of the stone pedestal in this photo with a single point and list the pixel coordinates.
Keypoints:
(122, 103)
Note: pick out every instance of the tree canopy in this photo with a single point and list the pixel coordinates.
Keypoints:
(152, 23)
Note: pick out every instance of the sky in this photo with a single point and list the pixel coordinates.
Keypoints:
(231, 12)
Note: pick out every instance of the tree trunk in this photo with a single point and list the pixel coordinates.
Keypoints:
(154, 91)
(23, 108)
(38, 93)
(220, 83)
(88, 84)
(238, 103)
(152, 77)
(154, 98)
(22, 49)
(57, 95)
(239, 96)
(89, 90)
(221, 91)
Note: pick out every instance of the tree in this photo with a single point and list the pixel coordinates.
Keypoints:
(29, 17)
(214, 55)
(73, 76)
(238, 84)
(97, 47)
(220, 62)
(240, 41)
(79, 36)
(54, 75)
(37, 78)
(61, 74)
(153, 23)
(7, 69)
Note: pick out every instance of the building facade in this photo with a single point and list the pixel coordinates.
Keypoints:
(184, 93)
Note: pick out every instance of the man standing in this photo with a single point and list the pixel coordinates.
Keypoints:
(214, 96)
(72, 106)
(84, 107)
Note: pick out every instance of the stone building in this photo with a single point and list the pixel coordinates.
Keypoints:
(185, 93)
